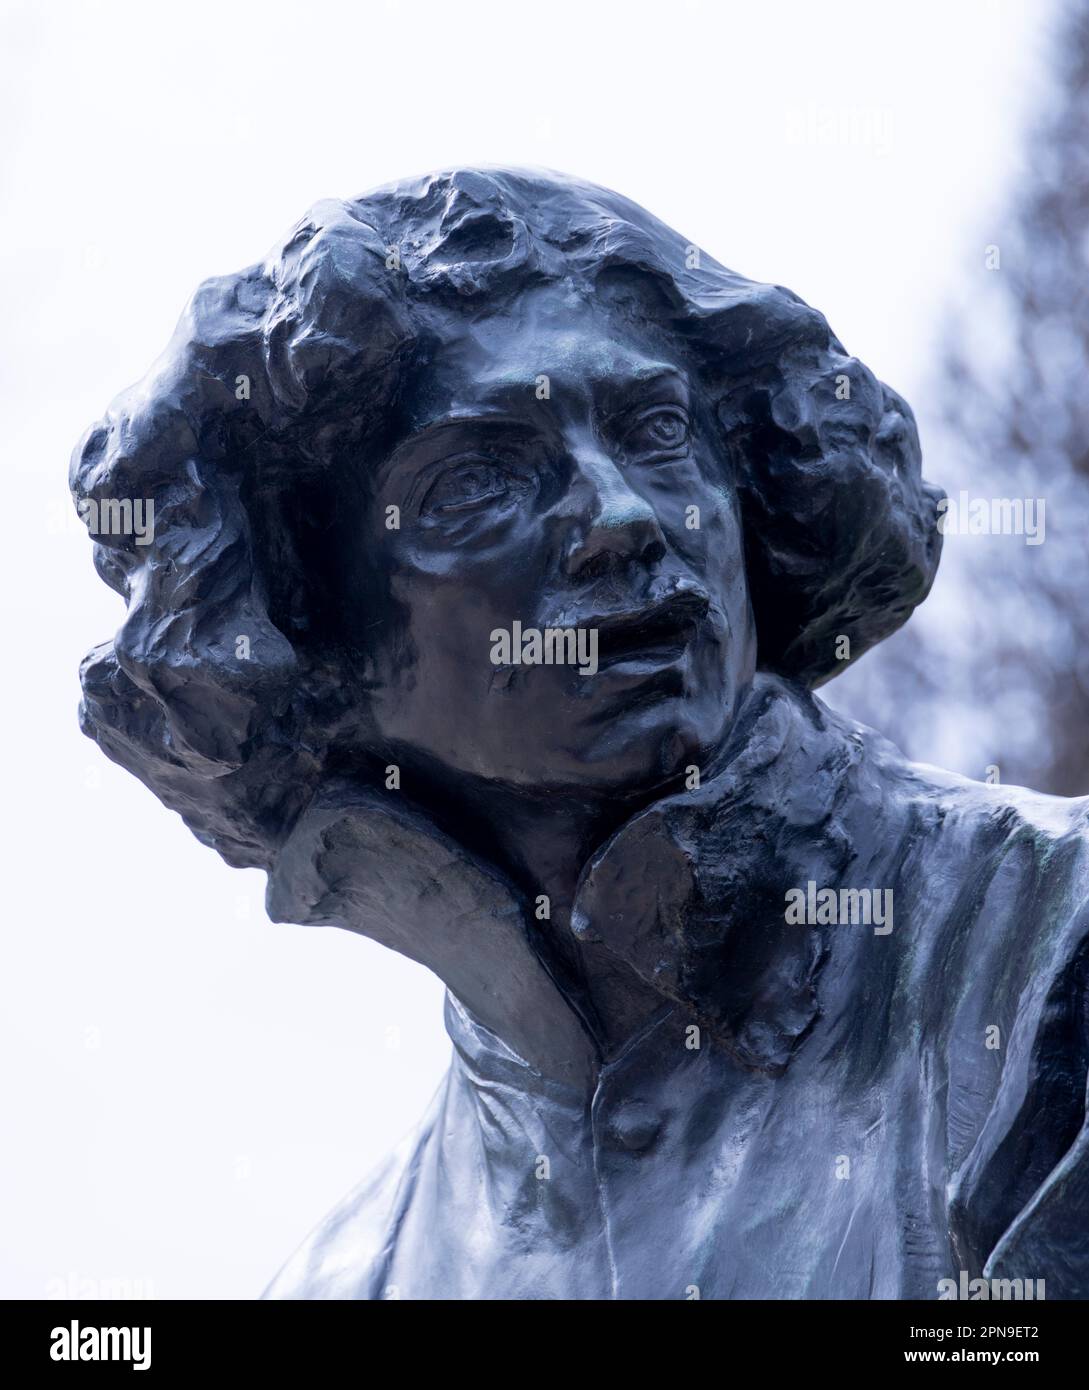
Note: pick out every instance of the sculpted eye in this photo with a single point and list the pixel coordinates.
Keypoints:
(660, 430)
(468, 484)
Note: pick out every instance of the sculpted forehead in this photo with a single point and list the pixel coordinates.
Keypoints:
(587, 352)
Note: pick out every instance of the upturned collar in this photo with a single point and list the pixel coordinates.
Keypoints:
(689, 894)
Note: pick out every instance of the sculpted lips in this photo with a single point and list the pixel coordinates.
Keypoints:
(657, 634)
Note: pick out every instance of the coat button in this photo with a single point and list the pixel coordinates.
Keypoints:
(633, 1127)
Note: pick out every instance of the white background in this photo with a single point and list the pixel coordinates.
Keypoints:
(185, 1089)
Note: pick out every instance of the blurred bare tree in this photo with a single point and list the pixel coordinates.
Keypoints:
(991, 676)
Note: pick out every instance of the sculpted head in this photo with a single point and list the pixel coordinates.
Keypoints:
(458, 404)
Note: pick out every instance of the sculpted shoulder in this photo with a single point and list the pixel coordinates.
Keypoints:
(965, 799)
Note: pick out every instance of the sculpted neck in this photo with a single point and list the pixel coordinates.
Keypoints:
(544, 841)
(544, 844)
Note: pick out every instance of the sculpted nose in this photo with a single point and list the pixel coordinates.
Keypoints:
(613, 524)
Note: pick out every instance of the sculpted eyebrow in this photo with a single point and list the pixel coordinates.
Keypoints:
(619, 395)
(450, 428)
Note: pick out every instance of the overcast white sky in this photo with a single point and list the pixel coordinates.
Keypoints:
(187, 1088)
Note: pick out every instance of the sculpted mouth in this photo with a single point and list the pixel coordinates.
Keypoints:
(660, 632)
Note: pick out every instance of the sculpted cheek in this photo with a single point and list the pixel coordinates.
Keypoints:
(704, 527)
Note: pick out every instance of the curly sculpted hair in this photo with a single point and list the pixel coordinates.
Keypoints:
(280, 373)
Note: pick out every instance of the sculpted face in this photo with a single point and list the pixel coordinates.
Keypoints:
(554, 468)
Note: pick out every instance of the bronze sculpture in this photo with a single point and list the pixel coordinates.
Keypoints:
(500, 538)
